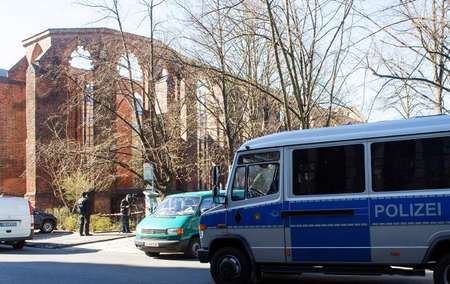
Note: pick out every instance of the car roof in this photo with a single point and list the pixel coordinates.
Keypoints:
(420, 125)
(193, 194)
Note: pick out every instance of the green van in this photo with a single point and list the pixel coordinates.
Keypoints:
(173, 227)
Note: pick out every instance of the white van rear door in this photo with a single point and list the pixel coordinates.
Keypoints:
(15, 219)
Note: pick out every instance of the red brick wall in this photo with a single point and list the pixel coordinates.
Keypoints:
(42, 97)
(12, 137)
(18, 71)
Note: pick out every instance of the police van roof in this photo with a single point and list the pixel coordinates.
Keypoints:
(420, 125)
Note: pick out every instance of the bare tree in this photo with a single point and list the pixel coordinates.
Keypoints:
(311, 46)
(213, 40)
(128, 107)
(418, 32)
(70, 168)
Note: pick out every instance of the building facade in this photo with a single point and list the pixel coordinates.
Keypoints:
(32, 93)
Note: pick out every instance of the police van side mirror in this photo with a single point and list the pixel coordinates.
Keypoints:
(219, 198)
(215, 176)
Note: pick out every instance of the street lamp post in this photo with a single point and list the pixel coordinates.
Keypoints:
(149, 192)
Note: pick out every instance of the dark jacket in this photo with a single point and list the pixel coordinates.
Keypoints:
(83, 206)
(125, 207)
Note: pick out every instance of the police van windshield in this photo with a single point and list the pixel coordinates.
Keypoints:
(256, 175)
(178, 206)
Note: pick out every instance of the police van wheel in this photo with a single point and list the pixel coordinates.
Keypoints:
(441, 272)
(230, 266)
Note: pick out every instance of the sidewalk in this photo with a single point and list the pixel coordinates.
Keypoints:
(61, 239)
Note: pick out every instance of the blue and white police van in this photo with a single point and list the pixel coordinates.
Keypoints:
(359, 199)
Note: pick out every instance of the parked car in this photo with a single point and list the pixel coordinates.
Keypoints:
(45, 222)
(16, 221)
(174, 225)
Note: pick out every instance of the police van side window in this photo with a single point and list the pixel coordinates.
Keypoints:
(415, 164)
(328, 170)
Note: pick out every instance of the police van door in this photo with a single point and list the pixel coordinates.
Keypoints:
(255, 204)
(328, 218)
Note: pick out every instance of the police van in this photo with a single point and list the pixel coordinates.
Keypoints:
(359, 199)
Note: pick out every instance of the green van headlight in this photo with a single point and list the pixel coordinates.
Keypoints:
(175, 231)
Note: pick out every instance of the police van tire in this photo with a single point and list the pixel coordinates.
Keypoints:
(441, 273)
(231, 266)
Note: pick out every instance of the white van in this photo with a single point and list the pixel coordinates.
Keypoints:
(16, 221)
(361, 199)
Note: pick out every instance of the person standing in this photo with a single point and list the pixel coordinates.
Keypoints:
(125, 211)
(84, 211)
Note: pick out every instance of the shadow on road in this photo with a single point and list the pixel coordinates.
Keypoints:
(55, 234)
(7, 249)
(175, 257)
(343, 279)
(68, 273)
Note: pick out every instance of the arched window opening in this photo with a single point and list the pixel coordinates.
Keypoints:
(201, 93)
(139, 103)
(136, 71)
(81, 59)
(88, 115)
(37, 51)
(161, 89)
(164, 74)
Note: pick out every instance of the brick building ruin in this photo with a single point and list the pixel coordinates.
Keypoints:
(30, 94)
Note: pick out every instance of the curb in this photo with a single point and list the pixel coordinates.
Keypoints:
(59, 246)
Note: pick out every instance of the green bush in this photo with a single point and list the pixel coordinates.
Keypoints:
(71, 223)
(103, 224)
(68, 221)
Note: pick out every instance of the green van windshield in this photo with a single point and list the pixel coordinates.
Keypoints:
(178, 206)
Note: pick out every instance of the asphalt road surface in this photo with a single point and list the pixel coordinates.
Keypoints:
(120, 262)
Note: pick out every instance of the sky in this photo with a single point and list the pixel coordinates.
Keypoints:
(21, 19)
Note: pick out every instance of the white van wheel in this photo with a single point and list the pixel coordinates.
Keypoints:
(441, 272)
(19, 245)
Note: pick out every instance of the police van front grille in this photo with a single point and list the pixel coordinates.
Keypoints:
(154, 232)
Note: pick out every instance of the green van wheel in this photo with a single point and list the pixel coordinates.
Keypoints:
(152, 254)
(193, 247)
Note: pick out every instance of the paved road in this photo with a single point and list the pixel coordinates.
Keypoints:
(119, 262)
